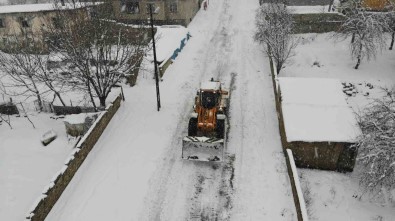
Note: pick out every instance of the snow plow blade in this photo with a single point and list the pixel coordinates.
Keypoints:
(202, 149)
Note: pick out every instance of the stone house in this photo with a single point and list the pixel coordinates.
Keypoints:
(180, 12)
(317, 124)
(30, 20)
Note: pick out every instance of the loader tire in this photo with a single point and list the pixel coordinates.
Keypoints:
(192, 127)
(220, 129)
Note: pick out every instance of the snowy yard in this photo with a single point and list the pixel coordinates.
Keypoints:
(26, 166)
(332, 195)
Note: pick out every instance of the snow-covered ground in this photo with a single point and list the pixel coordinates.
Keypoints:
(332, 195)
(336, 196)
(135, 171)
(26, 166)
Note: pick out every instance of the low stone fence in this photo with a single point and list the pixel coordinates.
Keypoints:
(293, 176)
(59, 182)
(296, 188)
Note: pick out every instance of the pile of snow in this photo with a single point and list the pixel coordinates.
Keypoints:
(315, 110)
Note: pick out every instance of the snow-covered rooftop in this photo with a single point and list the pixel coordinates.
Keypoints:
(210, 85)
(40, 7)
(315, 110)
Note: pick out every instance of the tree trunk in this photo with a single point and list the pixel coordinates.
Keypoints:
(60, 98)
(91, 96)
(102, 101)
(278, 67)
(353, 38)
(392, 40)
(40, 103)
(358, 63)
(359, 56)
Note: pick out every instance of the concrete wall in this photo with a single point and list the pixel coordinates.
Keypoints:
(62, 179)
(186, 10)
(317, 23)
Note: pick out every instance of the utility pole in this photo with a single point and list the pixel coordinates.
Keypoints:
(155, 62)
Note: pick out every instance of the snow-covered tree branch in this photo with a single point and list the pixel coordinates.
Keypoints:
(367, 32)
(101, 51)
(376, 152)
(20, 65)
(274, 31)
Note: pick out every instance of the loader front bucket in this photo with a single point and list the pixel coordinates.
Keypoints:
(203, 149)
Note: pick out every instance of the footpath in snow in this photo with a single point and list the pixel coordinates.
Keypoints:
(135, 171)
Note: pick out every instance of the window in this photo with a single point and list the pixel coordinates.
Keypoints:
(23, 22)
(173, 7)
(1, 23)
(56, 23)
(154, 11)
(131, 7)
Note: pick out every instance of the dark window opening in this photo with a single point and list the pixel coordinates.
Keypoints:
(1, 23)
(173, 7)
(130, 7)
(56, 23)
(23, 22)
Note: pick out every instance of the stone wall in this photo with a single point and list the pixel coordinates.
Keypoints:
(54, 190)
(281, 129)
(317, 23)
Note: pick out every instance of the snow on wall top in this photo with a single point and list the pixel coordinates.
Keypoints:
(309, 9)
(39, 7)
(315, 110)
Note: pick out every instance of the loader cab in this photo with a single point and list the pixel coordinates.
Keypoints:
(210, 94)
(209, 99)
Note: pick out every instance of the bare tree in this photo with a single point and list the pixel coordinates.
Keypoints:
(391, 25)
(274, 25)
(376, 152)
(367, 31)
(20, 66)
(101, 51)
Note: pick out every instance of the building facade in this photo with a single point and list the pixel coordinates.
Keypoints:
(30, 21)
(168, 12)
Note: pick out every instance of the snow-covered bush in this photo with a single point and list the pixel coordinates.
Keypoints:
(274, 26)
(367, 32)
(376, 152)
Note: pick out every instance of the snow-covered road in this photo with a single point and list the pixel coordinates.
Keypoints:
(135, 171)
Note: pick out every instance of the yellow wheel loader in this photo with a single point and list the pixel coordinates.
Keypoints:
(207, 125)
